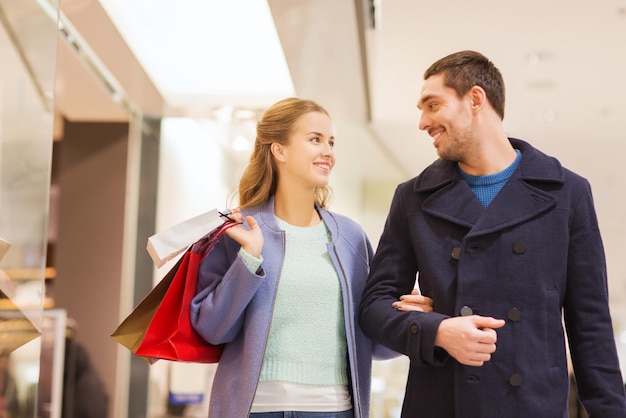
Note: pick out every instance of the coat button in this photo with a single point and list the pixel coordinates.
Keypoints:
(466, 311)
(413, 329)
(514, 314)
(456, 253)
(516, 380)
(472, 379)
(519, 247)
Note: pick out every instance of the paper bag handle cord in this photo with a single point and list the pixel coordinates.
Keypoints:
(212, 239)
(216, 237)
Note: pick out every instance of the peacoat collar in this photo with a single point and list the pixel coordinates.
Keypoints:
(446, 195)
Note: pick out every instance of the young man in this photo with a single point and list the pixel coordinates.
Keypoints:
(504, 240)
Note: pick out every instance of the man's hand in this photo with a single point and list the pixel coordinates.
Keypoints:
(469, 339)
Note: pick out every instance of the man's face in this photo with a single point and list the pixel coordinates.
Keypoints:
(447, 118)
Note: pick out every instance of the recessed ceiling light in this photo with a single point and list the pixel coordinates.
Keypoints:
(549, 116)
(538, 57)
(545, 116)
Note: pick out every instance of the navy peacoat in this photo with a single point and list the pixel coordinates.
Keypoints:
(534, 257)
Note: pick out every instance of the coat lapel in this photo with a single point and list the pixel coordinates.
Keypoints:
(529, 202)
(451, 198)
(455, 203)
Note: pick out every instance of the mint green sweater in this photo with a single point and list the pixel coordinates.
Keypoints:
(307, 340)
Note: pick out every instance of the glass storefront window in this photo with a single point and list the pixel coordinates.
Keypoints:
(28, 44)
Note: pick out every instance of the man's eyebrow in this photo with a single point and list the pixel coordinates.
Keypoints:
(424, 100)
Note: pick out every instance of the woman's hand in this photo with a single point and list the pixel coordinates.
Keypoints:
(251, 240)
(414, 302)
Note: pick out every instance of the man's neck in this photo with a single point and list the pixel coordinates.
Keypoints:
(492, 156)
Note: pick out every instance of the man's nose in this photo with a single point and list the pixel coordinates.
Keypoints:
(424, 123)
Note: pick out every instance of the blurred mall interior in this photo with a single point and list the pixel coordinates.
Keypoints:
(121, 118)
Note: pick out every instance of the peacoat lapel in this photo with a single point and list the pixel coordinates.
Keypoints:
(454, 202)
(450, 198)
(528, 202)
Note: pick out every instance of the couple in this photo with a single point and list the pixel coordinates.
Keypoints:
(502, 238)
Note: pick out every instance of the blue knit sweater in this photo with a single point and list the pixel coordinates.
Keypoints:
(487, 187)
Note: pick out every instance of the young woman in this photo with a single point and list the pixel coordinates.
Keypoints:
(282, 290)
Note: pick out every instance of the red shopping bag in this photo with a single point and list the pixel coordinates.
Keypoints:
(170, 335)
(131, 330)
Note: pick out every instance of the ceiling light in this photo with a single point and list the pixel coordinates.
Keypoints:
(206, 49)
(538, 57)
(241, 144)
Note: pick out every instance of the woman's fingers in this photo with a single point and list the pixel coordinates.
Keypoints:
(414, 302)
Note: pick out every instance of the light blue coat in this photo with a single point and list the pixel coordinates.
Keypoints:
(234, 306)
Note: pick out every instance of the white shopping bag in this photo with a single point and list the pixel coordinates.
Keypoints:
(4, 248)
(166, 245)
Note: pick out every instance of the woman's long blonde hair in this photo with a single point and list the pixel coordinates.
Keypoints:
(260, 178)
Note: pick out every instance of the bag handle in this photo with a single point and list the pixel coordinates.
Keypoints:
(205, 244)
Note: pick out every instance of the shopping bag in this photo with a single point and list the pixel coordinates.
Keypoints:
(131, 331)
(170, 335)
(165, 245)
(160, 326)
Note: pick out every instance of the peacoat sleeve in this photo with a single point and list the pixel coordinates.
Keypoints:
(392, 274)
(586, 313)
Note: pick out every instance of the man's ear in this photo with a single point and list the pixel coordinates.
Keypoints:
(278, 151)
(478, 97)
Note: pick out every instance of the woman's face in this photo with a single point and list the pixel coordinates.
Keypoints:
(308, 156)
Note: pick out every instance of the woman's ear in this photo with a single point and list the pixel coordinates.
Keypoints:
(278, 151)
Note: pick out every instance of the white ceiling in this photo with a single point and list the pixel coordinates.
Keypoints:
(563, 62)
(174, 43)
(570, 101)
